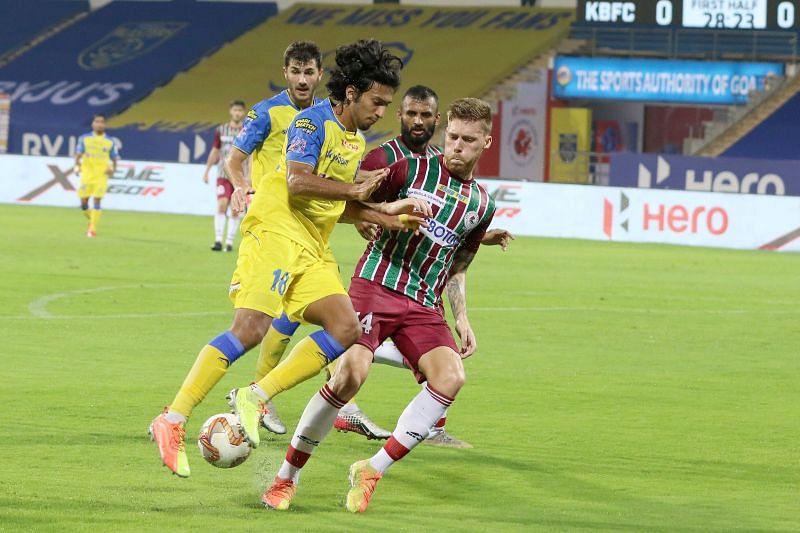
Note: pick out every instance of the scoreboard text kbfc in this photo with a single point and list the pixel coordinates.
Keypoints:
(712, 14)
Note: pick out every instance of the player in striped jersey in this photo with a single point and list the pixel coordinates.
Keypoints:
(224, 134)
(397, 292)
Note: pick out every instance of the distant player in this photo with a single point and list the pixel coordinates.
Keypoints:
(397, 290)
(224, 135)
(95, 160)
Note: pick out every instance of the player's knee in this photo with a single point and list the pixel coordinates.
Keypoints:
(250, 327)
(350, 375)
(347, 330)
(449, 378)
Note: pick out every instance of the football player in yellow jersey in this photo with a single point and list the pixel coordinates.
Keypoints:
(95, 160)
(285, 263)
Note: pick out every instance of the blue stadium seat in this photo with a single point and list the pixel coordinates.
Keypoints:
(20, 27)
(762, 141)
(115, 56)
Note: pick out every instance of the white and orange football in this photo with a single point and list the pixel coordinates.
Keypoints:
(221, 441)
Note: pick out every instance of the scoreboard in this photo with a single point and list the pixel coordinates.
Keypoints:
(776, 15)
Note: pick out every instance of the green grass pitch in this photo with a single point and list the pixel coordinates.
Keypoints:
(616, 387)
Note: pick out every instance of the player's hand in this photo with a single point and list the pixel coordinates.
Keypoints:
(362, 175)
(467, 336)
(205, 178)
(495, 237)
(238, 201)
(370, 180)
(409, 206)
(368, 230)
(405, 222)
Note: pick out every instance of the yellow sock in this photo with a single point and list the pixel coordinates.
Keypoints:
(86, 213)
(94, 217)
(304, 361)
(272, 349)
(209, 367)
(332, 372)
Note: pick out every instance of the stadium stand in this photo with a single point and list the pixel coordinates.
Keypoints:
(761, 143)
(114, 57)
(25, 28)
(440, 46)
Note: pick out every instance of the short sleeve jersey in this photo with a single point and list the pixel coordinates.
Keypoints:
(315, 138)
(263, 134)
(98, 151)
(418, 265)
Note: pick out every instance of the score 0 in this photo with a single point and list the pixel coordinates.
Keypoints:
(664, 12)
(786, 15)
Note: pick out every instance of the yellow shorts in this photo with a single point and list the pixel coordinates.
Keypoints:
(94, 187)
(275, 274)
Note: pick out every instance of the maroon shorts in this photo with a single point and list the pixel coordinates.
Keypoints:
(414, 328)
(224, 188)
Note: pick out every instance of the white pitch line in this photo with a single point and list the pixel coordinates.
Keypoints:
(38, 307)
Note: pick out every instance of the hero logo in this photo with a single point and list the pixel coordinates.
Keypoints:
(666, 218)
(610, 12)
(712, 181)
(441, 234)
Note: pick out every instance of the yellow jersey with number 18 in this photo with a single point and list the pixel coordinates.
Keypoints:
(315, 138)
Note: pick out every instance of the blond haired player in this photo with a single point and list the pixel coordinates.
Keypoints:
(95, 160)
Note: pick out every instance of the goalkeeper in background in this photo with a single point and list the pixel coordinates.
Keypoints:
(95, 160)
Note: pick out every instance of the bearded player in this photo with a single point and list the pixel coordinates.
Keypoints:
(397, 292)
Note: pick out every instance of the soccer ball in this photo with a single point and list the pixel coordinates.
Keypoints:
(222, 443)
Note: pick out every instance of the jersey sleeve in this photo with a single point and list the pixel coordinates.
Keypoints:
(217, 139)
(473, 239)
(255, 129)
(81, 148)
(375, 159)
(390, 188)
(304, 139)
(114, 152)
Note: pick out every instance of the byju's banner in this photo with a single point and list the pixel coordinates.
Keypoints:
(661, 80)
(721, 174)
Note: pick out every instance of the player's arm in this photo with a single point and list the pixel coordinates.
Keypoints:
(114, 159)
(256, 127)
(356, 211)
(79, 150)
(456, 291)
(213, 155)
(497, 237)
(302, 181)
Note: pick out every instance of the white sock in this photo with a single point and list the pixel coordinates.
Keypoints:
(174, 417)
(219, 226)
(233, 228)
(349, 409)
(388, 354)
(412, 427)
(314, 425)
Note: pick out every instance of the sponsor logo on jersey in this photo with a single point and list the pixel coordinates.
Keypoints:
(297, 146)
(127, 41)
(252, 115)
(425, 195)
(441, 234)
(330, 154)
(452, 193)
(305, 125)
(353, 147)
(471, 220)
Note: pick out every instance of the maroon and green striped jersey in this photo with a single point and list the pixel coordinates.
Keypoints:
(392, 151)
(418, 265)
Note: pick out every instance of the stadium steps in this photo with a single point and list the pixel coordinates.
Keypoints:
(751, 118)
(530, 71)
